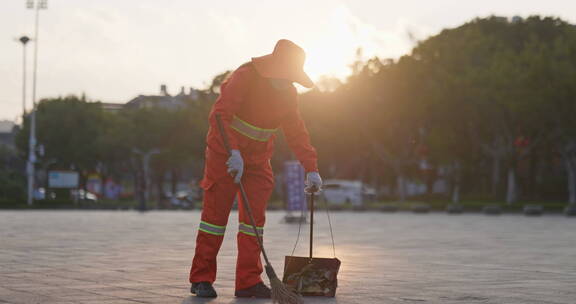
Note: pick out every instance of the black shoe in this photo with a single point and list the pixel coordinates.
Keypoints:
(257, 291)
(203, 290)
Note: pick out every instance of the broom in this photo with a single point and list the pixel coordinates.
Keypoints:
(280, 294)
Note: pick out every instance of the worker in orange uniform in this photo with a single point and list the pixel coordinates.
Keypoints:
(255, 102)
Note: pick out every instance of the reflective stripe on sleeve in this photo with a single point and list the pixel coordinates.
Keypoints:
(211, 228)
(247, 229)
(251, 131)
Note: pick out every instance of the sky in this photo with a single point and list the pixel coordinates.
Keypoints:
(114, 50)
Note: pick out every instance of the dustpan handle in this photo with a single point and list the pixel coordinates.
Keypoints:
(312, 191)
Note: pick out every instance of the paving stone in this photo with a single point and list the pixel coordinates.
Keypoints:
(115, 257)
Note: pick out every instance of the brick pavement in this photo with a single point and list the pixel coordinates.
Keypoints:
(128, 257)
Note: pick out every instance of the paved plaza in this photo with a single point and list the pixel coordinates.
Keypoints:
(130, 257)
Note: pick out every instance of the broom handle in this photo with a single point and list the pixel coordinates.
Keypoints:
(245, 203)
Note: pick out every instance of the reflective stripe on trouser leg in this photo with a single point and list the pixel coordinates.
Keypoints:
(211, 228)
(249, 230)
(258, 183)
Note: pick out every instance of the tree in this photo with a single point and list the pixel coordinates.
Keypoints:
(68, 128)
(495, 65)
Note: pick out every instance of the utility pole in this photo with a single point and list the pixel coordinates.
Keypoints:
(36, 5)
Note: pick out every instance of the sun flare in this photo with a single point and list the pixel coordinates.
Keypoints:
(335, 48)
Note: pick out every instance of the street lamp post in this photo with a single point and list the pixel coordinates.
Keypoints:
(146, 155)
(36, 5)
(24, 40)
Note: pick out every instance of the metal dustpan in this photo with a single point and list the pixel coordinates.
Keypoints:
(310, 276)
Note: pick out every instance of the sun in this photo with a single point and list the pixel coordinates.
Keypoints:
(334, 48)
(332, 61)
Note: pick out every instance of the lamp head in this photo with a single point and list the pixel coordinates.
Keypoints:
(24, 39)
(39, 4)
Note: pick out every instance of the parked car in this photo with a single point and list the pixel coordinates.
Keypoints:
(346, 191)
(83, 195)
(40, 194)
(182, 199)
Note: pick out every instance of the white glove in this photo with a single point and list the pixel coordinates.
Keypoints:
(313, 182)
(235, 165)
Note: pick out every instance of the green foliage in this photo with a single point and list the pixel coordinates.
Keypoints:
(79, 135)
(468, 90)
(11, 177)
(11, 186)
(69, 129)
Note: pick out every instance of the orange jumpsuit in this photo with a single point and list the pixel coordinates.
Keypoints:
(251, 110)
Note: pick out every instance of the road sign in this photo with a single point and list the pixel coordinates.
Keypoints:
(63, 179)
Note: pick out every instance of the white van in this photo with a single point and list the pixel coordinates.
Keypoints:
(343, 191)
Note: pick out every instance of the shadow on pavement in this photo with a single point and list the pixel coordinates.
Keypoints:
(220, 300)
(233, 300)
(195, 299)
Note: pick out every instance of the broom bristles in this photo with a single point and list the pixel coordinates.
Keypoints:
(281, 294)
